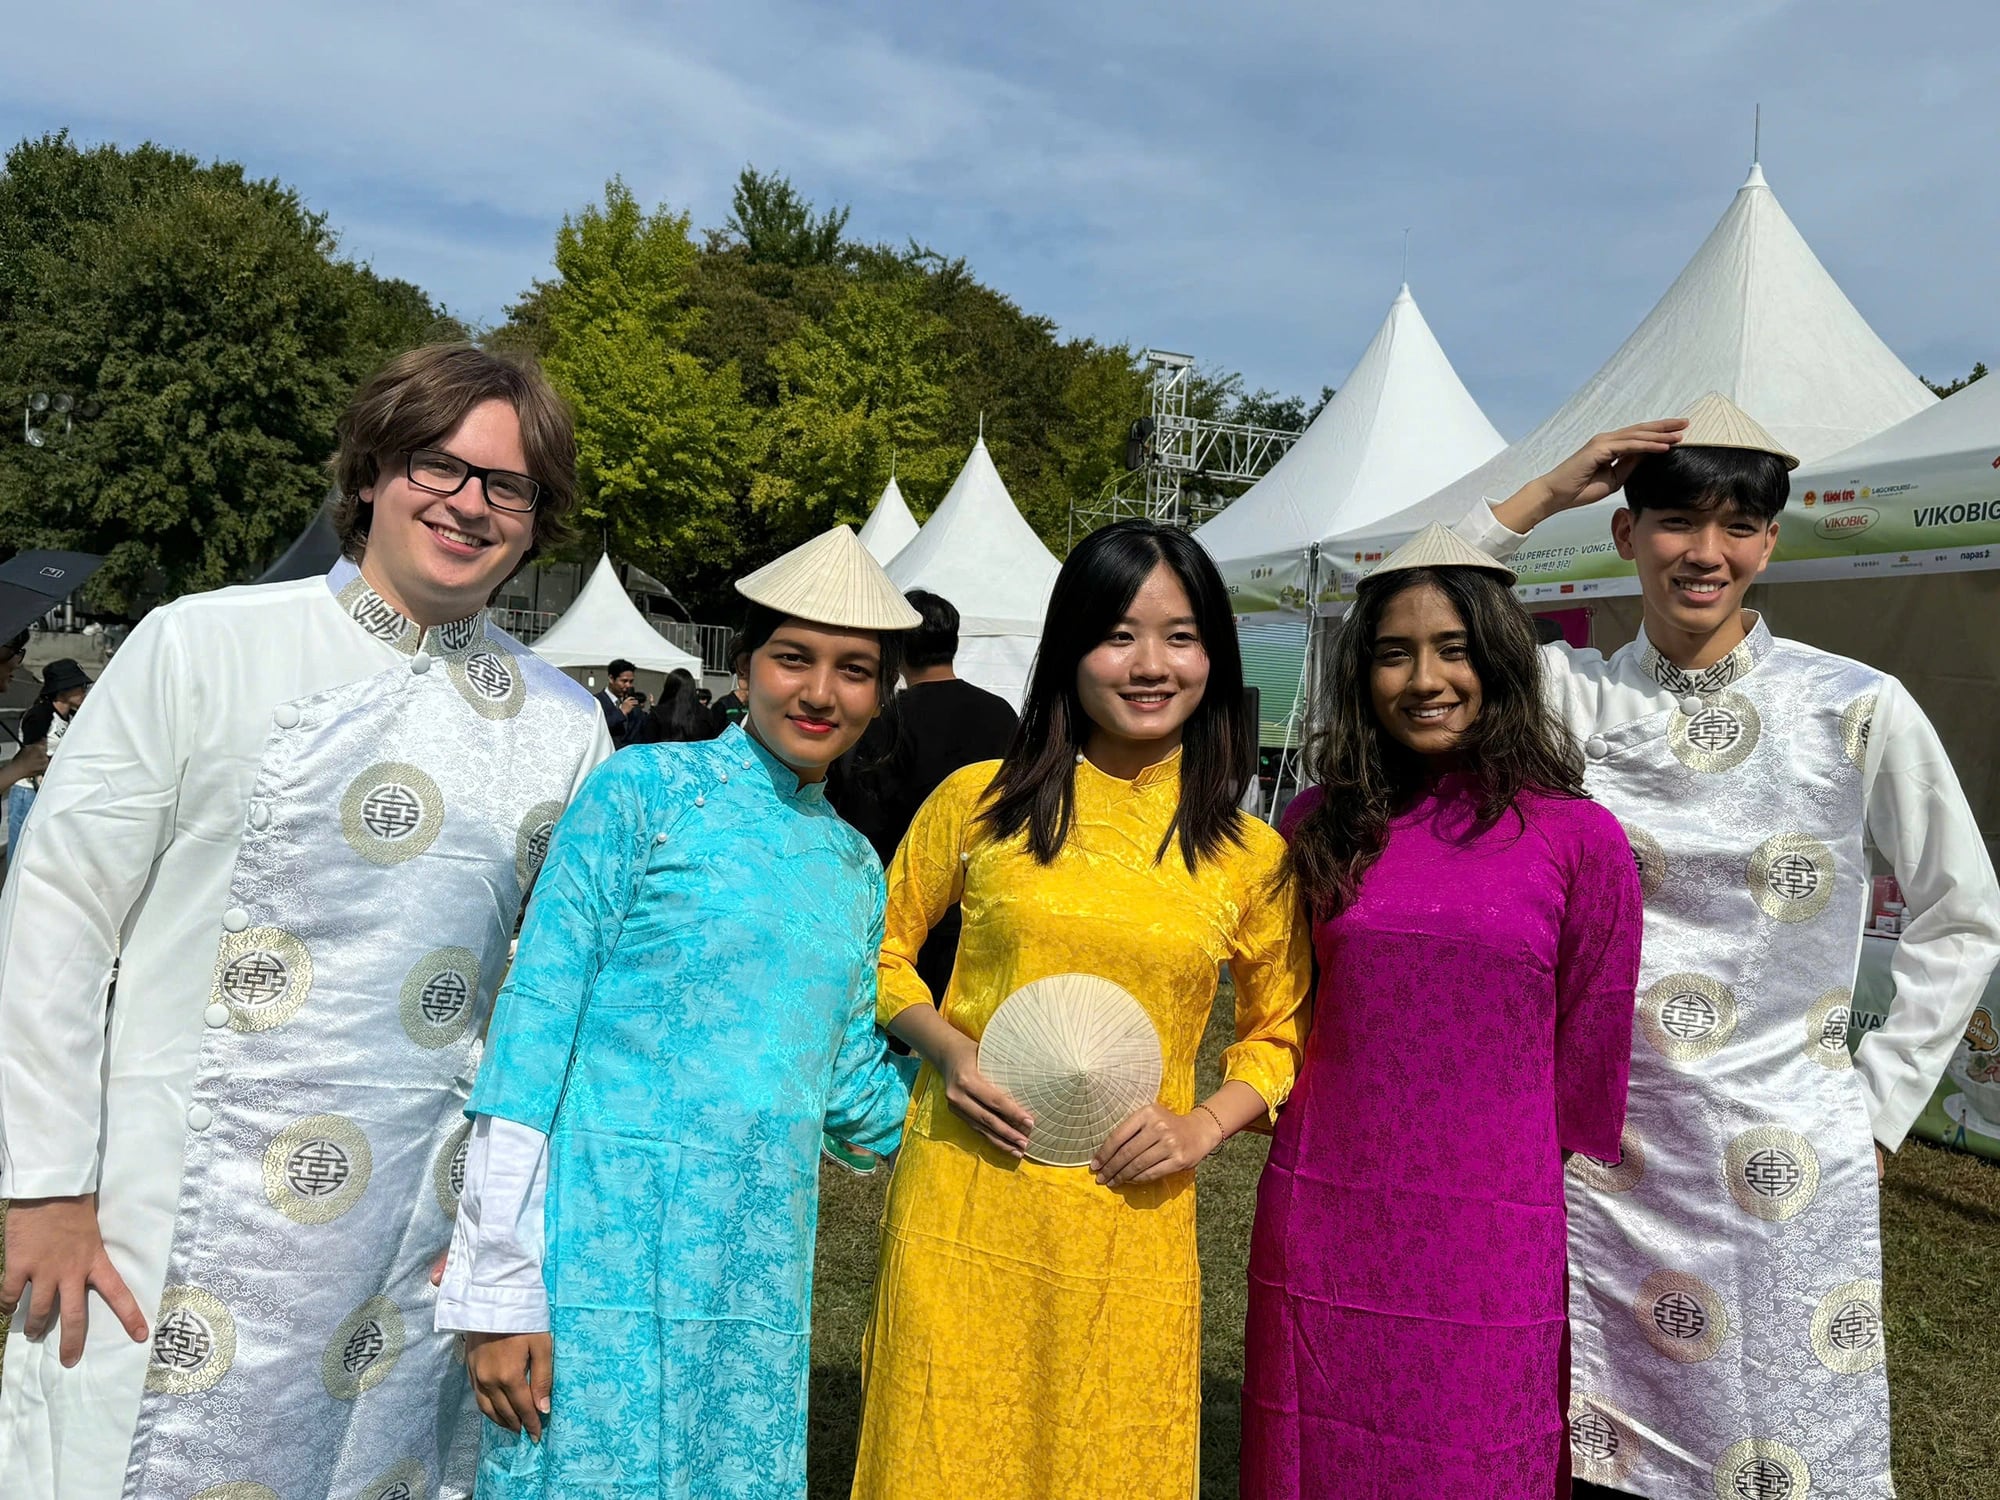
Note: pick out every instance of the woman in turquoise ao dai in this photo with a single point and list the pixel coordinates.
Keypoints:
(693, 1003)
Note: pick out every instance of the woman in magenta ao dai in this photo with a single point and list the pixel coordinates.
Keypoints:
(1477, 926)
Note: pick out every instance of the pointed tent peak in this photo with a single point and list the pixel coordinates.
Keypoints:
(1401, 424)
(890, 526)
(831, 580)
(603, 623)
(979, 552)
(1755, 179)
(1752, 315)
(1402, 296)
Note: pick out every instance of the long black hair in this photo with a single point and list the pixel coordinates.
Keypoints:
(1366, 776)
(1035, 789)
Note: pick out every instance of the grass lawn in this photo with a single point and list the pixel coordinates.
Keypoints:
(1941, 1246)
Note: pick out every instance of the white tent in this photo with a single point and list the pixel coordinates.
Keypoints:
(889, 526)
(604, 624)
(978, 552)
(1753, 315)
(1399, 426)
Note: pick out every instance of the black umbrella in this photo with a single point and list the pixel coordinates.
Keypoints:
(33, 583)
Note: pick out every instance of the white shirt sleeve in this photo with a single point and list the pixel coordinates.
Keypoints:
(1573, 681)
(106, 812)
(1919, 820)
(493, 1276)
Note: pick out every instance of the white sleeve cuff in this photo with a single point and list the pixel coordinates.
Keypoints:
(1484, 530)
(493, 1276)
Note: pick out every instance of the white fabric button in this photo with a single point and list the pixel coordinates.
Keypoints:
(701, 801)
(1690, 705)
(722, 776)
(420, 663)
(200, 1117)
(260, 815)
(659, 838)
(216, 1015)
(287, 716)
(1596, 747)
(235, 919)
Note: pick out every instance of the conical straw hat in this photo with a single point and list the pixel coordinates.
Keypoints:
(831, 580)
(1080, 1053)
(1438, 546)
(1717, 422)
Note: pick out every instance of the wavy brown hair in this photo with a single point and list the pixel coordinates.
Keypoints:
(1366, 776)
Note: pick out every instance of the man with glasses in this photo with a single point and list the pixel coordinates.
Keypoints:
(304, 818)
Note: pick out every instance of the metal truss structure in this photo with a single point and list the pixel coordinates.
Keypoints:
(1181, 469)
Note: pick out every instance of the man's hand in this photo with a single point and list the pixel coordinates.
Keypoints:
(1597, 469)
(512, 1374)
(29, 760)
(53, 1246)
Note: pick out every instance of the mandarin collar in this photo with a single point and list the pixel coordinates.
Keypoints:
(1159, 773)
(1713, 678)
(742, 748)
(376, 616)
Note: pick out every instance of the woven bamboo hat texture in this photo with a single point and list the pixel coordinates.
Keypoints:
(1438, 546)
(1717, 422)
(1080, 1053)
(831, 580)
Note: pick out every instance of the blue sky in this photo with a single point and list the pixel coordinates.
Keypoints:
(1232, 181)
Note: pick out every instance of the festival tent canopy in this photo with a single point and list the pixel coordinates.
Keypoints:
(1753, 315)
(978, 552)
(1400, 425)
(889, 526)
(602, 625)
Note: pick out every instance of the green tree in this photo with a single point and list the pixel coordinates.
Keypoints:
(204, 323)
(857, 394)
(664, 443)
(776, 225)
(1941, 391)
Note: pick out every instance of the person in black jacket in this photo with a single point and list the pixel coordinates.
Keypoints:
(935, 725)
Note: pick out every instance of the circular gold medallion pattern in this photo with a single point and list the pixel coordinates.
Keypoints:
(316, 1169)
(1825, 1039)
(1717, 736)
(1761, 1469)
(1680, 1316)
(531, 842)
(407, 1481)
(1650, 858)
(1772, 1172)
(1687, 1017)
(1607, 1178)
(491, 681)
(1847, 1328)
(363, 1349)
(448, 1171)
(460, 636)
(1602, 1445)
(262, 976)
(391, 812)
(440, 995)
(1856, 720)
(194, 1342)
(1791, 877)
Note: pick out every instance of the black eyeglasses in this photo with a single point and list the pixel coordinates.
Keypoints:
(445, 474)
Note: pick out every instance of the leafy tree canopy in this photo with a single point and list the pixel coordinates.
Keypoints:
(206, 332)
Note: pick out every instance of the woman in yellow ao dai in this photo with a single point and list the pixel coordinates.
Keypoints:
(1037, 1328)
